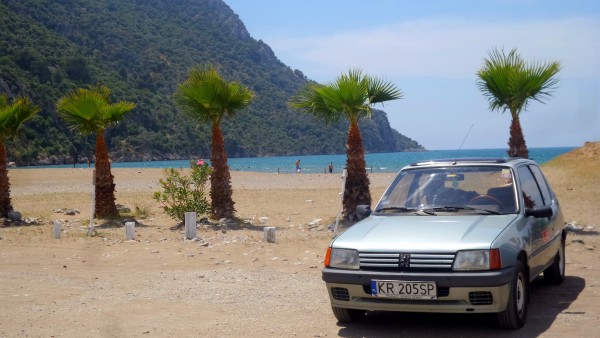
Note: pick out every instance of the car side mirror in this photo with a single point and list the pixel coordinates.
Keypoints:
(363, 211)
(538, 212)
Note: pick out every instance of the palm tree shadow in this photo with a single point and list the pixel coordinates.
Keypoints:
(547, 302)
(237, 224)
(118, 222)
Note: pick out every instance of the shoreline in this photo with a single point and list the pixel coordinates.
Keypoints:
(316, 164)
(298, 197)
(38, 191)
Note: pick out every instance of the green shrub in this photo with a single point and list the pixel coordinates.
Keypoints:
(181, 193)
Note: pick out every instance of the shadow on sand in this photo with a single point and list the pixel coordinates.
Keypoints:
(547, 302)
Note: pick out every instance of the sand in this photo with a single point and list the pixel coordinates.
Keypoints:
(232, 282)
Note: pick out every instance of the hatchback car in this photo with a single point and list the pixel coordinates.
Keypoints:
(453, 236)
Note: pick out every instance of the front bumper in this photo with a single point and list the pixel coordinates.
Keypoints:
(458, 292)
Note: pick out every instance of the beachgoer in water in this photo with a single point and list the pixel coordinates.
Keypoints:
(330, 167)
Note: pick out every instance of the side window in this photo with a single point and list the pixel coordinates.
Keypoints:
(539, 177)
(531, 192)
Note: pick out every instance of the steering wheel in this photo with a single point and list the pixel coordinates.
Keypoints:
(485, 200)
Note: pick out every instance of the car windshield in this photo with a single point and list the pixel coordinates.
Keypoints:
(428, 191)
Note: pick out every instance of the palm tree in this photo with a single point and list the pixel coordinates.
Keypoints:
(206, 97)
(351, 96)
(88, 110)
(508, 83)
(12, 116)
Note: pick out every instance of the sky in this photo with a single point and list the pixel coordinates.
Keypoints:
(431, 51)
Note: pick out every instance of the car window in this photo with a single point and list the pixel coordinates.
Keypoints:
(532, 196)
(399, 196)
(539, 177)
(468, 187)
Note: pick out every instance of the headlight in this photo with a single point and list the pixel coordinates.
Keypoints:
(343, 259)
(477, 260)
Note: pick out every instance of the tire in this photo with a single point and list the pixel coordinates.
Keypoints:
(555, 273)
(515, 314)
(344, 315)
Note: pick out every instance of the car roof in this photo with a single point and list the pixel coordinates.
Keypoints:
(508, 161)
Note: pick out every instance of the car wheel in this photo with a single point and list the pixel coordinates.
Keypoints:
(344, 315)
(555, 273)
(513, 317)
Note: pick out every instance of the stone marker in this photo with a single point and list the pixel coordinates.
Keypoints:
(57, 229)
(130, 231)
(270, 234)
(190, 225)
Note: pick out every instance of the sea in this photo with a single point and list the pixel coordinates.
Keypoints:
(318, 164)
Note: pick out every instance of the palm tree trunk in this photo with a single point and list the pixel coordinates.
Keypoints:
(105, 188)
(516, 141)
(5, 203)
(356, 191)
(220, 178)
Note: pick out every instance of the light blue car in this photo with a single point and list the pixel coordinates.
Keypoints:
(454, 236)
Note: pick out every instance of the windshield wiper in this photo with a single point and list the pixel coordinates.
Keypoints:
(419, 212)
(451, 208)
(428, 211)
(493, 212)
(399, 209)
(403, 209)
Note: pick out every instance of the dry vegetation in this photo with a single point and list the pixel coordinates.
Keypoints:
(575, 178)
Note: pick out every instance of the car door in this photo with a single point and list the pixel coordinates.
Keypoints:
(554, 228)
(538, 228)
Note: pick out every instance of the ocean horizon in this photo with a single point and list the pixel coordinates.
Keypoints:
(318, 164)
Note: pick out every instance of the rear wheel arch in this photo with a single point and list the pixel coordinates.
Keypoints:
(555, 273)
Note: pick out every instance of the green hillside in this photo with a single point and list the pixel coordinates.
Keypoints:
(142, 49)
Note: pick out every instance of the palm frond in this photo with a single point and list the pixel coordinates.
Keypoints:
(13, 115)
(351, 95)
(542, 80)
(381, 91)
(238, 98)
(206, 96)
(508, 82)
(80, 109)
(114, 113)
(88, 110)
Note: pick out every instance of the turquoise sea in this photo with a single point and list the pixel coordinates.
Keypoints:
(315, 164)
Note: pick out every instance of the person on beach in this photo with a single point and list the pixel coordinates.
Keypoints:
(330, 167)
(298, 169)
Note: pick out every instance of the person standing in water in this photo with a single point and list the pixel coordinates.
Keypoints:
(330, 167)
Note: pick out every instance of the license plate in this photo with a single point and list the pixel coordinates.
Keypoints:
(403, 289)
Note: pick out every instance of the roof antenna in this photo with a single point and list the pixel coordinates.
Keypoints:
(463, 142)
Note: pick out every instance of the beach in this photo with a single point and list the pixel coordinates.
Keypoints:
(231, 282)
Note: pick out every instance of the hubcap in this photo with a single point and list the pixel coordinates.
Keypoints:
(520, 294)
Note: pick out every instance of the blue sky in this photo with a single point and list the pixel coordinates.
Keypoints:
(431, 50)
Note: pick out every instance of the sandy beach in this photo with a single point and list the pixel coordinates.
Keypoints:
(232, 282)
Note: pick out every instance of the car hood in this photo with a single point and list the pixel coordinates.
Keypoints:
(424, 233)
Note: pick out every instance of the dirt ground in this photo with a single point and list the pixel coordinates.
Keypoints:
(234, 283)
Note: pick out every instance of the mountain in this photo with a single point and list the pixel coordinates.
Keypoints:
(142, 50)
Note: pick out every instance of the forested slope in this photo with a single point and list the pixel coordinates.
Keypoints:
(142, 49)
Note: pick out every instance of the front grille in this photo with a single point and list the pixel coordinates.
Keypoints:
(481, 298)
(400, 261)
(340, 294)
(442, 291)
